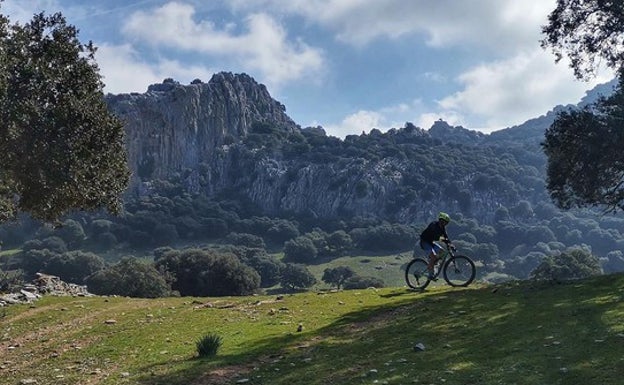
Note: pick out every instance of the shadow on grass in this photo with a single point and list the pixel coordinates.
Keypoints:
(519, 333)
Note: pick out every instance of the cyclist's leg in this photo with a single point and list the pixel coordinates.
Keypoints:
(430, 248)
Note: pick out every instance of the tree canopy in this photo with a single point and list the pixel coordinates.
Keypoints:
(589, 32)
(585, 159)
(61, 147)
(585, 163)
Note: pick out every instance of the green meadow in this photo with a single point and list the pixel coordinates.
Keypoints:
(514, 333)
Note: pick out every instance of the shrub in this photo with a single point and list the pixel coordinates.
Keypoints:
(244, 239)
(74, 266)
(338, 275)
(209, 345)
(296, 277)
(129, 277)
(10, 280)
(300, 249)
(358, 282)
(572, 264)
(206, 273)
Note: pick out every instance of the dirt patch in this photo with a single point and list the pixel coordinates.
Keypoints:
(225, 375)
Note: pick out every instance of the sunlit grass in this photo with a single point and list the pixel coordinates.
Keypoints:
(520, 333)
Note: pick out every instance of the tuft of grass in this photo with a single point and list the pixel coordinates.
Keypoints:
(209, 345)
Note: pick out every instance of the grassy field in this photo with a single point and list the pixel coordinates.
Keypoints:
(520, 333)
(388, 268)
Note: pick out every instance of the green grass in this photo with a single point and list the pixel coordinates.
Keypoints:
(385, 267)
(521, 333)
(9, 253)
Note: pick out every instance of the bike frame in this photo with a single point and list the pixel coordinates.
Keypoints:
(448, 253)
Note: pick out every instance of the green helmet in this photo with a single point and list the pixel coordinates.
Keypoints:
(444, 216)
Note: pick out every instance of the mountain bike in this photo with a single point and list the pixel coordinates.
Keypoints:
(458, 270)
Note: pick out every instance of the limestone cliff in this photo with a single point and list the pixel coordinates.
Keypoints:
(229, 137)
(174, 127)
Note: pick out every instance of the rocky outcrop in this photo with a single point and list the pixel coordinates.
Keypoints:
(173, 127)
(230, 137)
(43, 284)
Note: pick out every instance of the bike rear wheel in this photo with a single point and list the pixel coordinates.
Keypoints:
(416, 274)
(459, 271)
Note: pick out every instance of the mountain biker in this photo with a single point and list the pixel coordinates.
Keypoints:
(428, 238)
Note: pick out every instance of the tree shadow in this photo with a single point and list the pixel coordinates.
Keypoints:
(523, 334)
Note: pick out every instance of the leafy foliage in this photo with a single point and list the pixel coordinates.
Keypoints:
(300, 249)
(61, 148)
(296, 276)
(207, 273)
(74, 266)
(359, 282)
(572, 264)
(585, 161)
(209, 345)
(588, 32)
(129, 277)
(338, 275)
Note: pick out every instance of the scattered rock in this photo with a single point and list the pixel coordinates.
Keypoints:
(419, 347)
(43, 284)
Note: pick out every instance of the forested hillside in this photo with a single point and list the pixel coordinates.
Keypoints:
(267, 197)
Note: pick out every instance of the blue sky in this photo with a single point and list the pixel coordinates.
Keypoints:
(346, 65)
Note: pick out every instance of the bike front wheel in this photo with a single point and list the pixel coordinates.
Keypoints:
(459, 271)
(416, 274)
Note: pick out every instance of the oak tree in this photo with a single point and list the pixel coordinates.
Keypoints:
(61, 147)
(588, 32)
(585, 161)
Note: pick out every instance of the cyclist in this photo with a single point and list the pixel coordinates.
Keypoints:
(434, 231)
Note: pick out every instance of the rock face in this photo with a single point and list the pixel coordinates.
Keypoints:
(173, 127)
(219, 138)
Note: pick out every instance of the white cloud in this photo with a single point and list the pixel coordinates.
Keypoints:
(124, 72)
(426, 120)
(263, 47)
(22, 11)
(501, 25)
(383, 119)
(514, 90)
(361, 121)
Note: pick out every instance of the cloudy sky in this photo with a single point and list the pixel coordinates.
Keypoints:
(347, 65)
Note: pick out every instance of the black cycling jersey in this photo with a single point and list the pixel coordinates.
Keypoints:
(433, 232)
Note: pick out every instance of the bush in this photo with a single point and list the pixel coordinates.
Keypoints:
(295, 277)
(300, 249)
(72, 233)
(338, 275)
(129, 277)
(205, 273)
(74, 266)
(244, 239)
(572, 264)
(9, 280)
(209, 345)
(358, 282)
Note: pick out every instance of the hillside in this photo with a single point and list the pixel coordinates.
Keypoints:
(517, 333)
(220, 165)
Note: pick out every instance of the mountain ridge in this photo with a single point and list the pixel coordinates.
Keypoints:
(229, 136)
